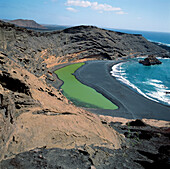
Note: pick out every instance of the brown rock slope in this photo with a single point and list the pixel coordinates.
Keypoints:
(33, 114)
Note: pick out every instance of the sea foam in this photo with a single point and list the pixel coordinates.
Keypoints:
(160, 43)
(117, 73)
(152, 88)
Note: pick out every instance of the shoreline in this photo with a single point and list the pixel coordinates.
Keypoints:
(122, 111)
(133, 86)
(57, 83)
(130, 111)
(130, 103)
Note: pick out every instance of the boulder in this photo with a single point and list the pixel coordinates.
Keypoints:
(150, 60)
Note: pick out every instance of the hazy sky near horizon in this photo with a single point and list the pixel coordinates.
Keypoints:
(149, 15)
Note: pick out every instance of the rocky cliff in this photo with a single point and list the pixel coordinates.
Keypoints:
(38, 51)
(33, 113)
(40, 128)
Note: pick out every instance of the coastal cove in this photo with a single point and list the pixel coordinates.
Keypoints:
(131, 105)
(153, 82)
(45, 120)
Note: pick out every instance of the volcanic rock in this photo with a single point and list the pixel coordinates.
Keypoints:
(38, 51)
(150, 60)
(39, 127)
(137, 122)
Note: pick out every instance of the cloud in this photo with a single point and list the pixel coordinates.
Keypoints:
(103, 7)
(78, 3)
(93, 5)
(121, 13)
(71, 9)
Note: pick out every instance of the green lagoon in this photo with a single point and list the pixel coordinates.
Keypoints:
(80, 94)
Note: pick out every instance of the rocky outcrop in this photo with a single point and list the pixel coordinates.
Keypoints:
(150, 60)
(140, 152)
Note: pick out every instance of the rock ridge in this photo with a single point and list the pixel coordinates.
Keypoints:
(37, 51)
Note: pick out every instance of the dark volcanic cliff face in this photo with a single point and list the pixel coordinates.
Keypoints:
(36, 51)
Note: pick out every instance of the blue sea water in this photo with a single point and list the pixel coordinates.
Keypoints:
(152, 82)
(159, 37)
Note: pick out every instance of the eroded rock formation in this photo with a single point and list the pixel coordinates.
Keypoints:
(150, 60)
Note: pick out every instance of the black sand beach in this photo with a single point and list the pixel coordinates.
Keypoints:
(96, 74)
(132, 105)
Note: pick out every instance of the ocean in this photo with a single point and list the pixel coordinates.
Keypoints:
(162, 38)
(152, 82)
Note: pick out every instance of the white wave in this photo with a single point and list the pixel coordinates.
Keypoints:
(155, 81)
(159, 86)
(157, 96)
(160, 93)
(161, 59)
(116, 69)
(160, 43)
(161, 96)
(141, 57)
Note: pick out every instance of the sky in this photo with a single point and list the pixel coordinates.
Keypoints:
(148, 15)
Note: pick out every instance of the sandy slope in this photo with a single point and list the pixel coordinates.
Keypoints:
(42, 116)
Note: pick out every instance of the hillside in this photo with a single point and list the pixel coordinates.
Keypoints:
(40, 128)
(82, 42)
(26, 23)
